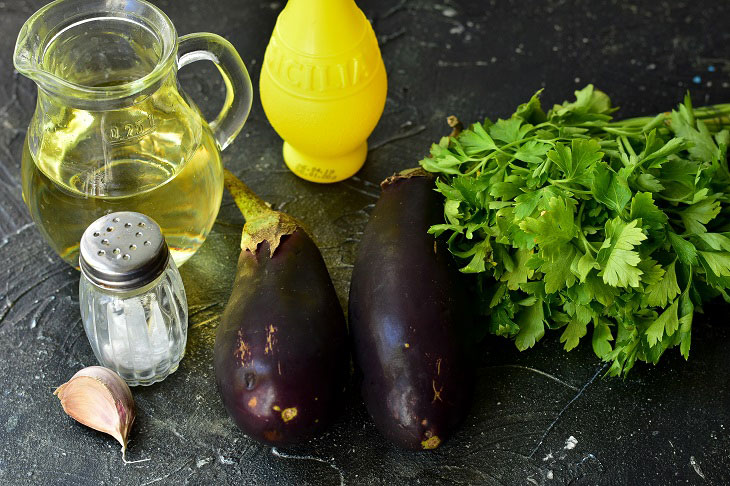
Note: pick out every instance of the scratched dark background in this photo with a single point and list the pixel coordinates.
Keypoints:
(540, 417)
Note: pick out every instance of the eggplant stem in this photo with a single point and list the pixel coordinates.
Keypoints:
(406, 174)
(262, 222)
(250, 205)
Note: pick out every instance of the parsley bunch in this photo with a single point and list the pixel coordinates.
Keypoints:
(573, 221)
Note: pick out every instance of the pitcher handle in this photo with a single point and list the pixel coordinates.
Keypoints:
(239, 92)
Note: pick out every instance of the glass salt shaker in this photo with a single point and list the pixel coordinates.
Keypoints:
(132, 298)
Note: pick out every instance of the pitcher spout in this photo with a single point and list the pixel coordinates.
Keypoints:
(30, 46)
(26, 48)
(97, 54)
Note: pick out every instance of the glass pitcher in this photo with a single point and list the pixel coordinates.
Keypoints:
(113, 130)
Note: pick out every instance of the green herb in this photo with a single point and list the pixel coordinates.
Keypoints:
(615, 230)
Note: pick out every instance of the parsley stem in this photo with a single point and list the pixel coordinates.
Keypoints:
(715, 115)
(561, 185)
(519, 169)
(587, 245)
(515, 142)
(579, 222)
(479, 166)
(628, 146)
(670, 199)
(619, 132)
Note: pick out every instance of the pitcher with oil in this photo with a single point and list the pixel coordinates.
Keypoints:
(113, 131)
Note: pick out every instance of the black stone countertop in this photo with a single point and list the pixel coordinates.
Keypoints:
(540, 417)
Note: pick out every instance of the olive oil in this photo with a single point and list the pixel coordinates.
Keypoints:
(154, 156)
(101, 53)
(112, 130)
(182, 196)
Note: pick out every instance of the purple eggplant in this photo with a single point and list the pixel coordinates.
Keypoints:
(405, 318)
(281, 355)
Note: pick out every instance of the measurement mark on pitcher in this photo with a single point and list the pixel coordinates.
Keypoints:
(117, 133)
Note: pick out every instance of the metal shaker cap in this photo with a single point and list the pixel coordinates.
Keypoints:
(123, 251)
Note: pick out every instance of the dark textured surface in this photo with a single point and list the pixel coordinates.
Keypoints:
(662, 425)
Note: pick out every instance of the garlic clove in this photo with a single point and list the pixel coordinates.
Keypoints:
(99, 398)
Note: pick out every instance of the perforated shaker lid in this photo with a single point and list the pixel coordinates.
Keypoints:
(123, 251)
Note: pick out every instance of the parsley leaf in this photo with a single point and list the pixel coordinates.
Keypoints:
(617, 257)
(666, 322)
(659, 294)
(558, 273)
(532, 151)
(553, 228)
(576, 328)
(531, 322)
(476, 140)
(601, 338)
(686, 251)
(694, 131)
(509, 131)
(718, 262)
(696, 216)
(575, 161)
(716, 241)
(609, 188)
(643, 207)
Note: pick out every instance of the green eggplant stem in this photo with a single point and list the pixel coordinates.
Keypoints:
(250, 205)
(263, 224)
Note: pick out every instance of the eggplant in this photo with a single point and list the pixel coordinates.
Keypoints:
(406, 318)
(281, 351)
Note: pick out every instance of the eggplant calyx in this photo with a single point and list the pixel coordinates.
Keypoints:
(269, 228)
(406, 174)
(262, 222)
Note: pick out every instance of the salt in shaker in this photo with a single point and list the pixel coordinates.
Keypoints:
(132, 298)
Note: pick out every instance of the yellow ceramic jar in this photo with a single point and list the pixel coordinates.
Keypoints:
(323, 87)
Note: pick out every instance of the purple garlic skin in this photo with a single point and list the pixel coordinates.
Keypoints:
(100, 399)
